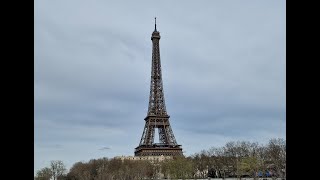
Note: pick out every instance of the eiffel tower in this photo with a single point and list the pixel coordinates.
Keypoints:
(157, 117)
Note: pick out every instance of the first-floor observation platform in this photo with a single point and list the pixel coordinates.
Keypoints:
(158, 149)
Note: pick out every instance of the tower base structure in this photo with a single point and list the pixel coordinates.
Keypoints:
(158, 150)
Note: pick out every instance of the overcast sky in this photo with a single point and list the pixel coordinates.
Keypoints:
(223, 69)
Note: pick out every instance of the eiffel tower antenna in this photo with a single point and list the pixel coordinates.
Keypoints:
(157, 117)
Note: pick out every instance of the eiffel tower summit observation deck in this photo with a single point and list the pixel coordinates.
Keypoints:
(157, 117)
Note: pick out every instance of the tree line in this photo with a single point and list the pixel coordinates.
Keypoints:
(235, 159)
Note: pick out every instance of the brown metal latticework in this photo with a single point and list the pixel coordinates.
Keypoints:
(157, 117)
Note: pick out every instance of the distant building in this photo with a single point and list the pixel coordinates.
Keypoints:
(152, 159)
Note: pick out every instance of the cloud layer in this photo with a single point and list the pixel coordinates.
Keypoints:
(223, 65)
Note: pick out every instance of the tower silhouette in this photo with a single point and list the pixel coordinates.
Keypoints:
(157, 117)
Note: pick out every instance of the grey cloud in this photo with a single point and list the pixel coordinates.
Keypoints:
(104, 148)
(223, 73)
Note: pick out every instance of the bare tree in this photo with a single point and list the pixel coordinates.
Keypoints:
(235, 159)
(201, 164)
(277, 154)
(58, 169)
(44, 174)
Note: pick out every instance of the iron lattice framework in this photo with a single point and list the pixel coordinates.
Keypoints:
(157, 117)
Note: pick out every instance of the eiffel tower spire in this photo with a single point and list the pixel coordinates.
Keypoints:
(155, 24)
(156, 99)
(157, 117)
